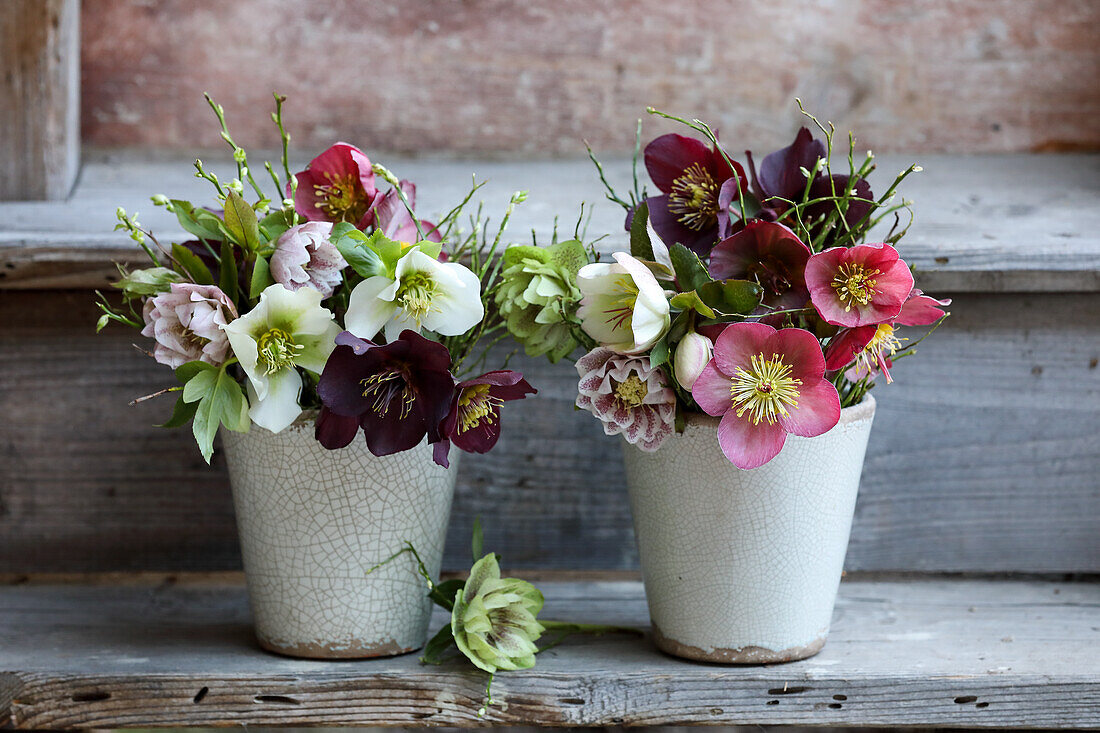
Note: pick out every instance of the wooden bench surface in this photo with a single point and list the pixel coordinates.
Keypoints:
(903, 652)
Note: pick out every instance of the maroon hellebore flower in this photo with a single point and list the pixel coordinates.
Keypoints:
(398, 393)
(769, 254)
(337, 185)
(473, 424)
(690, 175)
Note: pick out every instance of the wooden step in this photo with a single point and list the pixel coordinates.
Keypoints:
(902, 652)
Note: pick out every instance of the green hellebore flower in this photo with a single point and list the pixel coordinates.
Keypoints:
(493, 620)
(538, 294)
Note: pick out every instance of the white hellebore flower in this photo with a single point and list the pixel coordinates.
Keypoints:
(624, 308)
(444, 297)
(285, 330)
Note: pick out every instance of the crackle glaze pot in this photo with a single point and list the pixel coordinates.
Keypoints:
(744, 566)
(312, 522)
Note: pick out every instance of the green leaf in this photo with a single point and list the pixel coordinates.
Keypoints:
(731, 296)
(185, 372)
(240, 222)
(274, 224)
(640, 246)
(519, 252)
(569, 255)
(432, 249)
(182, 414)
(438, 645)
(192, 265)
(358, 255)
(261, 278)
(199, 386)
(691, 273)
(219, 405)
(150, 281)
(443, 594)
(477, 542)
(198, 221)
(691, 301)
(228, 271)
(389, 250)
(658, 355)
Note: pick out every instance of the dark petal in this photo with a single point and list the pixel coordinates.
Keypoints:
(428, 355)
(724, 172)
(440, 453)
(389, 433)
(339, 387)
(667, 157)
(781, 171)
(755, 178)
(481, 438)
(358, 345)
(629, 218)
(335, 431)
(671, 230)
(434, 392)
(856, 209)
(509, 392)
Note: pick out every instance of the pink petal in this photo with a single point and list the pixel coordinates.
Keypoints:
(844, 347)
(747, 445)
(801, 350)
(920, 310)
(712, 391)
(738, 343)
(817, 412)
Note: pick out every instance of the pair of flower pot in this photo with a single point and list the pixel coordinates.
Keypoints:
(739, 566)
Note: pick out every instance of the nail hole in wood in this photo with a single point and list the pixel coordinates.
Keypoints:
(201, 694)
(840, 697)
(91, 696)
(772, 702)
(963, 699)
(835, 706)
(422, 716)
(572, 700)
(788, 690)
(277, 699)
(982, 705)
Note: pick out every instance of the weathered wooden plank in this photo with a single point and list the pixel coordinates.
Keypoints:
(985, 455)
(983, 223)
(913, 653)
(487, 76)
(40, 86)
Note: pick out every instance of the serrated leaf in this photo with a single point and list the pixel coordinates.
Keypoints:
(228, 271)
(357, 254)
(658, 355)
(691, 273)
(216, 407)
(197, 221)
(731, 296)
(691, 301)
(182, 414)
(570, 255)
(477, 541)
(192, 266)
(640, 246)
(518, 252)
(240, 222)
(261, 278)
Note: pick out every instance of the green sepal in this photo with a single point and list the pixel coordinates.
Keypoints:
(102, 322)
(197, 221)
(569, 255)
(640, 245)
(691, 301)
(477, 540)
(192, 266)
(261, 278)
(182, 414)
(438, 645)
(731, 296)
(228, 271)
(658, 355)
(241, 223)
(432, 249)
(517, 253)
(691, 273)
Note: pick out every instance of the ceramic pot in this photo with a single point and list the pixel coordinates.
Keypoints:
(312, 522)
(744, 566)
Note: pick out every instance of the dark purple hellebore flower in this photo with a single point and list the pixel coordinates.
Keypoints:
(769, 254)
(473, 424)
(780, 172)
(397, 393)
(337, 185)
(690, 175)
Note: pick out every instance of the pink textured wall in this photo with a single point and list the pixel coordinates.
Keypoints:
(474, 76)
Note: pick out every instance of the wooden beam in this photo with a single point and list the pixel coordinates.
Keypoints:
(40, 86)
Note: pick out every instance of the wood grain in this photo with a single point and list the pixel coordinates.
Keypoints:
(999, 223)
(492, 76)
(40, 116)
(985, 455)
(917, 653)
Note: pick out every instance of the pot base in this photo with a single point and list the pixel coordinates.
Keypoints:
(354, 650)
(744, 655)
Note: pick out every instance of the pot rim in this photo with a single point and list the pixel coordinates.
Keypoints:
(865, 410)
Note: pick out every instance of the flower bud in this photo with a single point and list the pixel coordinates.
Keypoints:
(692, 354)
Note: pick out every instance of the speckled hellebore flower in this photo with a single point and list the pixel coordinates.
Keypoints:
(628, 396)
(392, 218)
(765, 384)
(473, 424)
(284, 331)
(624, 307)
(494, 619)
(304, 256)
(186, 322)
(444, 297)
(398, 393)
(858, 286)
(690, 175)
(337, 185)
(871, 347)
(769, 254)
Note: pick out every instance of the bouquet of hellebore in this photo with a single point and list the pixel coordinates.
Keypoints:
(747, 297)
(338, 298)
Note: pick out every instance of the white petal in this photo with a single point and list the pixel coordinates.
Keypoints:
(456, 307)
(279, 408)
(244, 348)
(660, 249)
(400, 322)
(368, 308)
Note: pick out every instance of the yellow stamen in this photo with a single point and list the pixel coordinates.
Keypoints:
(632, 391)
(276, 350)
(855, 284)
(694, 198)
(416, 293)
(766, 390)
(476, 405)
(882, 345)
(383, 387)
(339, 198)
(621, 303)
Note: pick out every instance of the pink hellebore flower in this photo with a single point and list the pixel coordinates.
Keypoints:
(628, 395)
(305, 256)
(871, 347)
(338, 185)
(858, 286)
(764, 384)
(186, 322)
